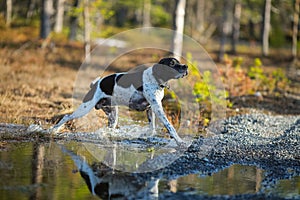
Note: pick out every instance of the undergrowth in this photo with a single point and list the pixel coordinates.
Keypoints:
(238, 81)
(242, 80)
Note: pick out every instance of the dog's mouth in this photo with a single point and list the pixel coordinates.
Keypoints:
(182, 70)
(185, 73)
(182, 73)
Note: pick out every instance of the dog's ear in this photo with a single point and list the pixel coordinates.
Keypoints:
(163, 72)
(162, 61)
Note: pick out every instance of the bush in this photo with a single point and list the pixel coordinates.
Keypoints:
(205, 91)
(248, 81)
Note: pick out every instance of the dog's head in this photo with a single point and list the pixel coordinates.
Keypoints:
(169, 68)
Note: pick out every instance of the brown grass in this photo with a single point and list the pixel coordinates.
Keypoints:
(36, 84)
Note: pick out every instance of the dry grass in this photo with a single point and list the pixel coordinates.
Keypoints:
(36, 84)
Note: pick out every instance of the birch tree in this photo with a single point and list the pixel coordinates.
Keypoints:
(146, 13)
(59, 17)
(295, 28)
(8, 12)
(87, 31)
(176, 46)
(266, 27)
(236, 25)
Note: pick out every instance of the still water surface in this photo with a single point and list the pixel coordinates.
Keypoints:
(47, 171)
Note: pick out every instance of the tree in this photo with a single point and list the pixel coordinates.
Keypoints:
(178, 18)
(47, 11)
(74, 20)
(201, 19)
(8, 12)
(59, 16)
(236, 25)
(87, 31)
(266, 27)
(37, 168)
(200, 15)
(146, 13)
(295, 28)
(31, 6)
(225, 29)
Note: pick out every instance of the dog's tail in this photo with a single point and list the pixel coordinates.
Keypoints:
(94, 81)
(91, 93)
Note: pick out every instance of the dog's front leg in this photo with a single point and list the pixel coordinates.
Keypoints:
(151, 118)
(158, 110)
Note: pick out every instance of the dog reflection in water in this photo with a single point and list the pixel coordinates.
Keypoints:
(111, 184)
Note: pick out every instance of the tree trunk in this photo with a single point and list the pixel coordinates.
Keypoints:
(146, 13)
(236, 25)
(8, 12)
(121, 16)
(266, 28)
(74, 21)
(295, 29)
(87, 31)
(30, 9)
(59, 16)
(200, 15)
(224, 30)
(47, 11)
(176, 47)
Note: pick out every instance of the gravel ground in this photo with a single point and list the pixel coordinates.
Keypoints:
(271, 143)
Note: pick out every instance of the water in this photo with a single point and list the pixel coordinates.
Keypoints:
(62, 171)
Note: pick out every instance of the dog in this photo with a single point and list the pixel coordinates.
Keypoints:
(141, 89)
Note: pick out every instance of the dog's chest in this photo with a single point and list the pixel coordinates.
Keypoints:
(137, 96)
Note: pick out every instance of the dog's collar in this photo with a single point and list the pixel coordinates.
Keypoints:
(164, 85)
(161, 83)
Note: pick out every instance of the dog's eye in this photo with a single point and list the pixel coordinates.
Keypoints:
(172, 63)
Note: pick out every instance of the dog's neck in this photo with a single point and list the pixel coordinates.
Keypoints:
(162, 74)
(161, 82)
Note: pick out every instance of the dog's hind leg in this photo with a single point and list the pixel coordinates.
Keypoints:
(110, 111)
(112, 115)
(89, 102)
(82, 110)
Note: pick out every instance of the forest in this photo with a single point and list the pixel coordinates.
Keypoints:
(254, 43)
(241, 140)
(272, 24)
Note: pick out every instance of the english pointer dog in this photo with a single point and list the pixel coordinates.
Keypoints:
(140, 89)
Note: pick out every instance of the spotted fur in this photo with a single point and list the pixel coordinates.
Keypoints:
(141, 89)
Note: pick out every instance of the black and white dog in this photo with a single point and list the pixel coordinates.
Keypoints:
(140, 89)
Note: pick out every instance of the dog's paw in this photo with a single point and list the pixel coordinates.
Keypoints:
(54, 129)
(34, 128)
(182, 144)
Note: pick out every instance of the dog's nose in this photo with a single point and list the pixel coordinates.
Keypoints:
(184, 67)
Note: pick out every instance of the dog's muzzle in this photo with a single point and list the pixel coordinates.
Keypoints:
(183, 70)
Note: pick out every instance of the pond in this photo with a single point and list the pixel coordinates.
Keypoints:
(60, 170)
